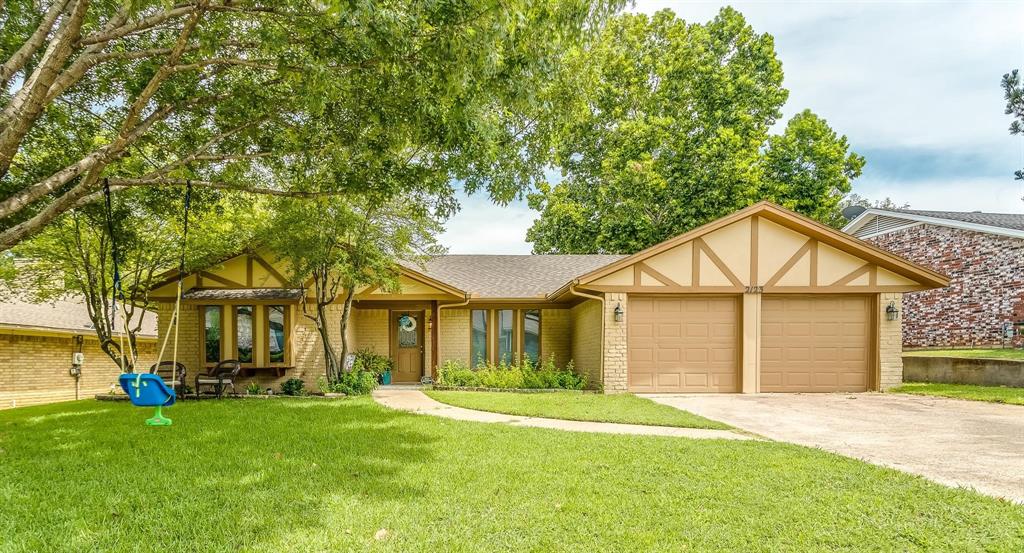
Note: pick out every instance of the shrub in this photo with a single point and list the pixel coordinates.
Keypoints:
(370, 361)
(517, 375)
(253, 389)
(293, 387)
(352, 383)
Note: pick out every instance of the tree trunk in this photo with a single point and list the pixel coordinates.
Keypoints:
(330, 358)
(345, 313)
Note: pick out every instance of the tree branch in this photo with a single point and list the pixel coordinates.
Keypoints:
(21, 56)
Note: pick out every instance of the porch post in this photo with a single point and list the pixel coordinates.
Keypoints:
(435, 329)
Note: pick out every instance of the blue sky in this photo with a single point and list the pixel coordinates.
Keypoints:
(913, 85)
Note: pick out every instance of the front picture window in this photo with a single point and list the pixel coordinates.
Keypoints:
(531, 335)
(212, 333)
(276, 333)
(478, 337)
(506, 335)
(243, 332)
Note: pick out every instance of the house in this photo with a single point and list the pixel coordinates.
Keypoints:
(763, 300)
(983, 254)
(37, 341)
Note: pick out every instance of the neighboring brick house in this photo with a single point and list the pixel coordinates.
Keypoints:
(982, 253)
(36, 345)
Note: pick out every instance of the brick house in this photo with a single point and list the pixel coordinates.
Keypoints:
(763, 300)
(982, 253)
(37, 341)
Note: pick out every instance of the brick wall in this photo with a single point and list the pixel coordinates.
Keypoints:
(986, 285)
(34, 368)
(615, 367)
(556, 335)
(453, 340)
(890, 346)
(586, 340)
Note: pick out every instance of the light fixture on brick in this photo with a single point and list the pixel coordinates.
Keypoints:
(891, 313)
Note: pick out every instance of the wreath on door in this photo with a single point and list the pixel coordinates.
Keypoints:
(407, 323)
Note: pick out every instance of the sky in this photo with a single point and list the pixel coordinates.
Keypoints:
(914, 86)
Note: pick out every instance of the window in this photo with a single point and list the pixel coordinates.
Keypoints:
(478, 337)
(531, 335)
(506, 335)
(212, 315)
(243, 332)
(277, 333)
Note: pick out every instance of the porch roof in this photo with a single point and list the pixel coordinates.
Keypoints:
(238, 294)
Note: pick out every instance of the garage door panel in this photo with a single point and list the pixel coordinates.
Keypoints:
(693, 346)
(815, 343)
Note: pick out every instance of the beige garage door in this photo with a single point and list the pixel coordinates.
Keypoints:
(815, 343)
(683, 344)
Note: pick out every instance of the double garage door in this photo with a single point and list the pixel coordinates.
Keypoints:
(688, 344)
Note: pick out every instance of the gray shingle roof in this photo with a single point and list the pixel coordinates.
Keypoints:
(512, 276)
(289, 294)
(60, 315)
(1013, 221)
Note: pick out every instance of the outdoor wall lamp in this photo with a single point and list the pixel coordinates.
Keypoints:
(618, 312)
(891, 313)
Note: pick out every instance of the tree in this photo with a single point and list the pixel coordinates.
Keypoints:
(858, 200)
(72, 257)
(668, 129)
(1013, 91)
(356, 242)
(150, 93)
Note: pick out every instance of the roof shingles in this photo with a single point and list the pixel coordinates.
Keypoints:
(512, 276)
(1013, 221)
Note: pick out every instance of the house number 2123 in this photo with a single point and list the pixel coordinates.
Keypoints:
(755, 289)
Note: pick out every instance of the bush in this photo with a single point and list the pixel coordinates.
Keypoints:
(372, 362)
(293, 387)
(352, 383)
(253, 389)
(517, 375)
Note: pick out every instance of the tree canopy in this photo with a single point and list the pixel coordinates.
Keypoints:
(667, 127)
(1013, 90)
(228, 92)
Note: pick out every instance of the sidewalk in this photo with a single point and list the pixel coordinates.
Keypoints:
(416, 401)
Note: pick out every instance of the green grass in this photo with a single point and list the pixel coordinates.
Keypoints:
(989, 353)
(992, 394)
(624, 408)
(322, 475)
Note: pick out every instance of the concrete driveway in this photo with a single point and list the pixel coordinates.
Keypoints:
(954, 442)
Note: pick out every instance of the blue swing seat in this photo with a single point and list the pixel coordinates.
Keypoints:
(152, 392)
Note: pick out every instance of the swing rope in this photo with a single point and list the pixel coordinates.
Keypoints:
(118, 289)
(177, 296)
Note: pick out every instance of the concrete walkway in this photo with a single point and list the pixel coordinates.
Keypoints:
(416, 401)
(954, 442)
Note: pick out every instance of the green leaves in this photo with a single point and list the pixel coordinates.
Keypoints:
(660, 126)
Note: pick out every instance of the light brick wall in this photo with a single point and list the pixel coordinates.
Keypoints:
(890, 343)
(188, 335)
(615, 366)
(34, 369)
(453, 340)
(556, 335)
(586, 340)
(370, 327)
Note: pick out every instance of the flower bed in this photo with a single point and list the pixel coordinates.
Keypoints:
(519, 375)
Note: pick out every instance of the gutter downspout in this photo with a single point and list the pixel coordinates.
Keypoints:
(575, 292)
(437, 323)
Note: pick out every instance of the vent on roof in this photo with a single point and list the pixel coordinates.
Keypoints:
(881, 224)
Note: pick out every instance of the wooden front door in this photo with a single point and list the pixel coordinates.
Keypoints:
(407, 346)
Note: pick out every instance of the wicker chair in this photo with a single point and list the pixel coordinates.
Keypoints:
(220, 376)
(173, 374)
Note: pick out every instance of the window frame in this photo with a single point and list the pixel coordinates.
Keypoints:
(540, 334)
(486, 358)
(492, 333)
(234, 333)
(287, 336)
(202, 333)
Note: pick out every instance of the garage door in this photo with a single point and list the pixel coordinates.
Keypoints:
(815, 343)
(683, 344)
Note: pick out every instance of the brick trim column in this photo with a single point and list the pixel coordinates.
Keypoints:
(613, 345)
(890, 343)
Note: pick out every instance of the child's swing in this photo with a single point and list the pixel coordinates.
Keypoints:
(149, 389)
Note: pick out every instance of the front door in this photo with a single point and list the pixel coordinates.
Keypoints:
(407, 345)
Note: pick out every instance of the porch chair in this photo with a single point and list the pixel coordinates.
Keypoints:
(221, 375)
(173, 374)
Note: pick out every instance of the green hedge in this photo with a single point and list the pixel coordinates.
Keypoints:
(517, 375)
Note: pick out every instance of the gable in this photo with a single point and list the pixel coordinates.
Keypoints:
(767, 248)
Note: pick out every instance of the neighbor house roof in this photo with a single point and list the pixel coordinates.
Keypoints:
(64, 316)
(512, 276)
(873, 221)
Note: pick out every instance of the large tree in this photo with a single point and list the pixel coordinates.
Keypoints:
(667, 128)
(1013, 90)
(150, 93)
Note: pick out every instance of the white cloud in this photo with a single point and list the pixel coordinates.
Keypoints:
(483, 227)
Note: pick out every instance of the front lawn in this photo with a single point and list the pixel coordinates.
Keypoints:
(623, 408)
(349, 475)
(993, 394)
(982, 353)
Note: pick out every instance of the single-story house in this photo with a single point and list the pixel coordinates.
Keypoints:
(764, 300)
(983, 254)
(37, 342)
